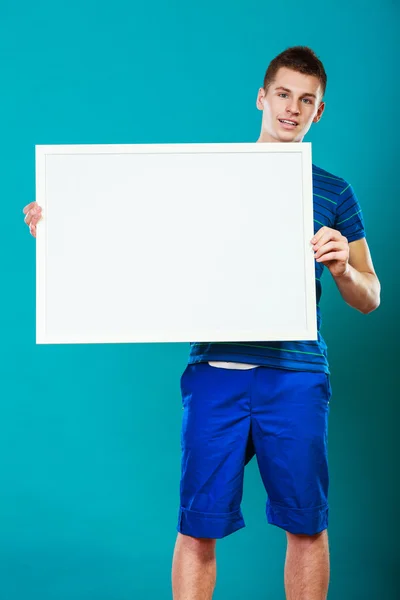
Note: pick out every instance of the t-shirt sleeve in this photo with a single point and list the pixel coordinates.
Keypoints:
(349, 218)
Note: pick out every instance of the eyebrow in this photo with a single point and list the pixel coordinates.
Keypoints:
(290, 91)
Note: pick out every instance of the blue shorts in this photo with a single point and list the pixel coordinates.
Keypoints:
(230, 415)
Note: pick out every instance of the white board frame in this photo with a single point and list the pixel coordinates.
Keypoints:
(271, 333)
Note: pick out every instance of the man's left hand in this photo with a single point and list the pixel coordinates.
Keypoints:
(332, 249)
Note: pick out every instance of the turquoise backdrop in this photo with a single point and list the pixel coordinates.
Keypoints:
(89, 435)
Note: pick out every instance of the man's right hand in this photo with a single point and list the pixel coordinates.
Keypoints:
(33, 214)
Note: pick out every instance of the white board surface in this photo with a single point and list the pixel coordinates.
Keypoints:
(175, 243)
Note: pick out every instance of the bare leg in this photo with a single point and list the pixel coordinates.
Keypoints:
(307, 567)
(194, 568)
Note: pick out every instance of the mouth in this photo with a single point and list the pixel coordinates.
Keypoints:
(288, 123)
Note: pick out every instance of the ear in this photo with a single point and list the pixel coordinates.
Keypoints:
(320, 110)
(260, 98)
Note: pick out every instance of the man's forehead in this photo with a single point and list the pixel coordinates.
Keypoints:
(296, 82)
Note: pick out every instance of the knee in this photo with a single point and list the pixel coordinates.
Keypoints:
(202, 547)
(304, 540)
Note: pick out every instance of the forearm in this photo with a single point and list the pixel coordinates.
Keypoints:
(360, 290)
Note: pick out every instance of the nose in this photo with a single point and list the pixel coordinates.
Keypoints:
(293, 107)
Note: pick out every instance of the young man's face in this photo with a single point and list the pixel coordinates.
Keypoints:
(291, 104)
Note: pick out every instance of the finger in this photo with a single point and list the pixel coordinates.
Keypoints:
(32, 230)
(29, 207)
(333, 256)
(34, 213)
(29, 217)
(329, 247)
(327, 236)
(35, 221)
(323, 232)
(318, 235)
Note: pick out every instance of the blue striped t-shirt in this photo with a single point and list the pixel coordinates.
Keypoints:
(336, 206)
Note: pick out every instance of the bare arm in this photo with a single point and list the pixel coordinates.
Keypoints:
(351, 267)
(359, 285)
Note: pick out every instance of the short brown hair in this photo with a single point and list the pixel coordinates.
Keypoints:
(298, 58)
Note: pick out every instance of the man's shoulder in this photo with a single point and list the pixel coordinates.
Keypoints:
(330, 182)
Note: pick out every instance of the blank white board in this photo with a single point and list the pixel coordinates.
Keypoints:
(175, 243)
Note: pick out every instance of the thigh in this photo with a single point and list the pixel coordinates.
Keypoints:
(290, 431)
(215, 432)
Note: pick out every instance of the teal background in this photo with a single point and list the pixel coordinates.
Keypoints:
(89, 435)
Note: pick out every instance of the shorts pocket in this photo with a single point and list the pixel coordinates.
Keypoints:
(183, 374)
(183, 384)
(328, 386)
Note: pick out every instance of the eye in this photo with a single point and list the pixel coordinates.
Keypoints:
(283, 95)
(307, 100)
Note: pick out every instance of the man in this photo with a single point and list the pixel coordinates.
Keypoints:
(270, 399)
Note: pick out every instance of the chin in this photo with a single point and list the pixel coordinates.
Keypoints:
(289, 136)
(282, 136)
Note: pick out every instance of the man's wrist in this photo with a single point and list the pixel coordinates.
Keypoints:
(346, 275)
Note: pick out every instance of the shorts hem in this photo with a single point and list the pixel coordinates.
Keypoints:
(209, 525)
(306, 521)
